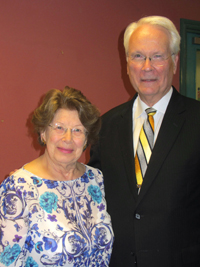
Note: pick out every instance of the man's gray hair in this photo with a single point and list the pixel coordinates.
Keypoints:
(158, 21)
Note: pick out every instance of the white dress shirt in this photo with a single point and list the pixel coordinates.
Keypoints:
(139, 116)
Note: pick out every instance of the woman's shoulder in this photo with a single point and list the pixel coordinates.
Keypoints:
(18, 179)
(17, 174)
(94, 170)
(33, 166)
(94, 173)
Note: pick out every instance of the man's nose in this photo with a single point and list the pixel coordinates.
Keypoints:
(147, 65)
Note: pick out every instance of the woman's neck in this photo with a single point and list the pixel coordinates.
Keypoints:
(46, 168)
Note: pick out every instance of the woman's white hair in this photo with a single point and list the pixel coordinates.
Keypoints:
(158, 21)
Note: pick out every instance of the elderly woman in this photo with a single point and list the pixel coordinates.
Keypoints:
(53, 209)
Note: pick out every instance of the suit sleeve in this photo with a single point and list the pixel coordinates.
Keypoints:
(95, 160)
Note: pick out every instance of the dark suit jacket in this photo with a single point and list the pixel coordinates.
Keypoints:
(160, 227)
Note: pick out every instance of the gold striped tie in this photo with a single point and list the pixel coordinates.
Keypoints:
(145, 146)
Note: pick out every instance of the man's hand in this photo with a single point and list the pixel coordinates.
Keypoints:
(12, 172)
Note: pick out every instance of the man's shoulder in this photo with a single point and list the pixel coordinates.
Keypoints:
(184, 102)
(190, 103)
(119, 110)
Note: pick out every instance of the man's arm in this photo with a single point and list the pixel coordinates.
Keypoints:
(95, 160)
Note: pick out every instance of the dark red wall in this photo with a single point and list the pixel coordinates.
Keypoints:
(48, 44)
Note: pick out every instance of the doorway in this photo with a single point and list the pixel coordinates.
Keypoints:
(190, 58)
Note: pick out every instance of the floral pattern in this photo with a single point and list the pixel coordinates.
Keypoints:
(95, 193)
(54, 223)
(48, 201)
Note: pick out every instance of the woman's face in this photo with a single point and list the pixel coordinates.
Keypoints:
(65, 138)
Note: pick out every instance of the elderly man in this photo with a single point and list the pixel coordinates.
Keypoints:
(149, 152)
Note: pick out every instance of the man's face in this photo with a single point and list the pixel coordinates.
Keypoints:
(152, 80)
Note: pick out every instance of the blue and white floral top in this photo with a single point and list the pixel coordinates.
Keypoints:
(54, 223)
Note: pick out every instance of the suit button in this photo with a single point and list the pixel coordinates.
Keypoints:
(135, 260)
(132, 253)
(137, 216)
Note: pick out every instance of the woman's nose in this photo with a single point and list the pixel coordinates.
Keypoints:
(68, 135)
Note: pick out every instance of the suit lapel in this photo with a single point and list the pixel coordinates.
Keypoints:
(125, 130)
(171, 126)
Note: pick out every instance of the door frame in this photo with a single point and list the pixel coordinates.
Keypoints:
(186, 26)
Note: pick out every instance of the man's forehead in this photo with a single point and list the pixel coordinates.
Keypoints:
(150, 33)
(150, 29)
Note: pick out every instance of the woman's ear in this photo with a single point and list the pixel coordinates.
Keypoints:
(43, 137)
(85, 145)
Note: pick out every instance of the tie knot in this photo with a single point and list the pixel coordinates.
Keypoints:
(150, 111)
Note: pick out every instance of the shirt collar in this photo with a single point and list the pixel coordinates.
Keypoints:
(160, 106)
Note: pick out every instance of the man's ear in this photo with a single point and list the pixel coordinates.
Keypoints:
(127, 68)
(175, 63)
